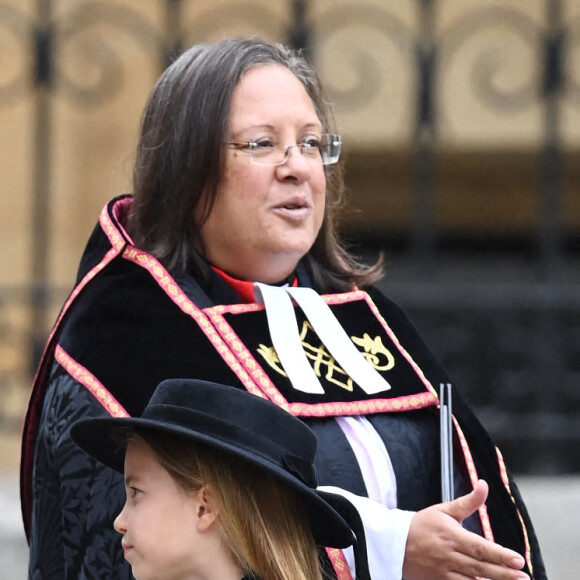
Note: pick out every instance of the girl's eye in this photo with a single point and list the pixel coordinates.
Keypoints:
(133, 492)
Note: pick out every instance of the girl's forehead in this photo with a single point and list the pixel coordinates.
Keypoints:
(140, 458)
(143, 465)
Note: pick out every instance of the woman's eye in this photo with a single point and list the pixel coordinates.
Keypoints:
(262, 144)
(311, 142)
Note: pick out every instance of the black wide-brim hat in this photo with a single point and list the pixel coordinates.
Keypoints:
(235, 422)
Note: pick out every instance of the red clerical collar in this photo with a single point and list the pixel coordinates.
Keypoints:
(243, 288)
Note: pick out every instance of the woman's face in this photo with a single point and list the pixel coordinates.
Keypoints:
(266, 218)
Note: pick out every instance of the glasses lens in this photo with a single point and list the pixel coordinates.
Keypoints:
(266, 152)
(330, 147)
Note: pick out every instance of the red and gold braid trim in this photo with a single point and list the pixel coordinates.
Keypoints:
(117, 245)
(115, 232)
(176, 294)
(109, 256)
(395, 340)
(506, 482)
(243, 354)
(86, 378)
(472, 471)
(339, 564)
(241, 351)
(406, 403)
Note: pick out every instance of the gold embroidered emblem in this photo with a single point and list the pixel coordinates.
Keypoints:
(374, 351)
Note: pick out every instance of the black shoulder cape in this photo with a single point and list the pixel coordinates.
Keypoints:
(128, 324)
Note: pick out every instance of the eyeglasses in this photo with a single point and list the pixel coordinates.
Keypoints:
(266, 151)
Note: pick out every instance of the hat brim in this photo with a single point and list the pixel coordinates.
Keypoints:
(101, 438)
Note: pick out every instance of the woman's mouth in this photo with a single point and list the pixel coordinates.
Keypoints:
(293, 209)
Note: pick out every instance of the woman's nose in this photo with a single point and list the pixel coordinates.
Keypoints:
(296, 166)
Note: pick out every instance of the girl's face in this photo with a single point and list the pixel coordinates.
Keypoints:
(160, 522)
(266, 218)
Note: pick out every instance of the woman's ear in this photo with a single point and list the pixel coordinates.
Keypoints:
(206, 508)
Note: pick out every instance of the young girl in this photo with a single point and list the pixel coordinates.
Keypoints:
(220, 484)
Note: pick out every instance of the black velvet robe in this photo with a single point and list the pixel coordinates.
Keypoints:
(128, 325)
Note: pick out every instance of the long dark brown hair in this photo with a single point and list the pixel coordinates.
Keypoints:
(180, 160)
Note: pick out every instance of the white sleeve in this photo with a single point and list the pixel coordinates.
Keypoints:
(386, 532)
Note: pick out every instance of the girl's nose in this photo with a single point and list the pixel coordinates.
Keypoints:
(120, 522)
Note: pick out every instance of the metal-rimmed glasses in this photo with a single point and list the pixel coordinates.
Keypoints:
(266, 151)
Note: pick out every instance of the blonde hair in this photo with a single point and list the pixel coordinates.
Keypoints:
(260, 517)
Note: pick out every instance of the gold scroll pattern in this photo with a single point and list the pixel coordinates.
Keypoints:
(324, 364)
